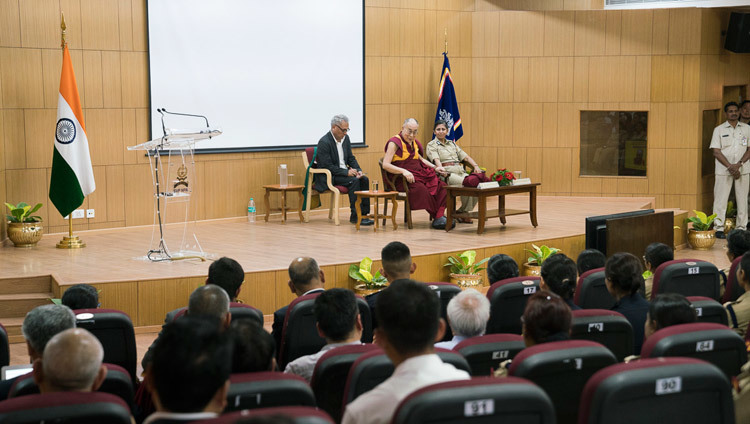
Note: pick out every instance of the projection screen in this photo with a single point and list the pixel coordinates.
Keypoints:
(270, 74)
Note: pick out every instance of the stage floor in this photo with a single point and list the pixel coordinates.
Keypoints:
(116, 255)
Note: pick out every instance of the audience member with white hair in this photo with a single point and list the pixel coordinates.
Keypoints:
(72, 362)
(468, 313)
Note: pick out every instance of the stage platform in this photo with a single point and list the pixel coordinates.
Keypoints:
(112, 260)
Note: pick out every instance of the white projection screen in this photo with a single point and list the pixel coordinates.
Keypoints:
(270, 74)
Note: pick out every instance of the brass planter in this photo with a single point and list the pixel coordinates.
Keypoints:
(362, 290)
(532, 270)
(466, 280)
(701, 240)
(729, 225)
(25, 234)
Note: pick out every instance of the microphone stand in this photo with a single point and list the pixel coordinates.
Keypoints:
(162, 250)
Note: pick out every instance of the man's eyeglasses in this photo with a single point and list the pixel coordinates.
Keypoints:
(343, 130)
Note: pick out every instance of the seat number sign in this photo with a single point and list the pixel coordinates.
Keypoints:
(704, 346)
(665, 386)
(529, 290)
(475, 408)
(694, 270)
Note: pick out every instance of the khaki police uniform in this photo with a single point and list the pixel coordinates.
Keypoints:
(450, 156)
(738, 314)
(733, 142)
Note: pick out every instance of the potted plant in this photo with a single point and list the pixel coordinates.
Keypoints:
(731, 216)
(701, 236)
(503, 177)
(369, 283)
(24, 230)
(465, 270)
(533, 265)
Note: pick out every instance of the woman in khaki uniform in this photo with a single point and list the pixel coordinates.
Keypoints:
(446, 153)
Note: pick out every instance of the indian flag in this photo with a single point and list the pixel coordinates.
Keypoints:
(72, 176)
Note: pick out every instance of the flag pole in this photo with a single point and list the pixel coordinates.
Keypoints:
(70, 241)
(446, 40)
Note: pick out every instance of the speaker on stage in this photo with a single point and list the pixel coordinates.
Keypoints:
(738, 33)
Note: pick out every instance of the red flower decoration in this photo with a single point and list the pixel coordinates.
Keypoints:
(509, 175)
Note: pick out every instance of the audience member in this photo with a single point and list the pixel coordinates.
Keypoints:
(501, 267)
(590, 259)
(305, 277)
(668, 309)
(397, 265)
(189, 373)
(338, 322)
(738, 312)
(254, 348)
(468, 313)
(623, 277)
(410, 324)
(71, 362)
(655, 255)
(81, 296)
(39, 326)
(738, 242)
(559, 274)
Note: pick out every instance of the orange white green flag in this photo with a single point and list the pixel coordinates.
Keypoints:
(72, 176)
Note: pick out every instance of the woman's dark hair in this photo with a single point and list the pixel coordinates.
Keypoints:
(546, 318)
(500, 267)
(738, 242)
(439, 122)
(671, 309)
(745, 264)
(658, 253)
(81, 296)
(559, 274)
(590, 259)
(625, 272)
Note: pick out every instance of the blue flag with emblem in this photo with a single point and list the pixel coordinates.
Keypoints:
(447, 109)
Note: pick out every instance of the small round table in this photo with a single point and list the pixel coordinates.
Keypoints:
(375, 196)
(283, 190)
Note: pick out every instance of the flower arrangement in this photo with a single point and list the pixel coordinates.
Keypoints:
(503, 177)
(363, 272)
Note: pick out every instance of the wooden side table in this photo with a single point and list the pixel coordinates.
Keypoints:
(283, 190)
(375, 196)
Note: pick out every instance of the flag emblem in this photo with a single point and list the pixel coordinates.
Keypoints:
(66, 131)
(447, 109)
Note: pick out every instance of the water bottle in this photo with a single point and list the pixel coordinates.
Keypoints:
(251, 210)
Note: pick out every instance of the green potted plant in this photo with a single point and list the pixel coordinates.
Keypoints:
(370, 283)
(24, 229)
(533, 265)
(701, 236)
(464, 269)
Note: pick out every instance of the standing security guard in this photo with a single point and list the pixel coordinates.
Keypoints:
(729, 145)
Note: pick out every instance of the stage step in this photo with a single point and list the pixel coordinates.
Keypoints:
(17, 305)
(19, 285)
(13, 327)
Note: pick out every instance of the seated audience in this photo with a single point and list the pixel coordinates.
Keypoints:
(404, 155)
(738, 242)
(397, 265)
(39, 326)
(410, 323)
(501, 267)
(338, 322)
(81, 296)
(71, 362)
(189, 374)
(305, 277)
(254, 348)
(668, 309)
(738, 312)
(559, 274)
(655, 255)
(623, 276)
(590, 259)
(468, 313)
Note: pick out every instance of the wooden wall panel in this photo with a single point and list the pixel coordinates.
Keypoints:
(614, 29)
(38, 130)
(134, 72)
(115, 179)
(660, 32)
(40, 23)
(21, 78)
(684, 31)
(104, 130)
(111, 82)
(556, 174)
(10, 27)
(13, 130)
(73, 19)
(140, 34)
(543, 79)
(580, 79)
(612, 78)
(125, 24)
(99, 24)
(28, 185)
(590, 33)
(526, 129)
(521, 79)
(520, 34)
(636, 40)
(667, 78)
(92, 82)
(559, 33)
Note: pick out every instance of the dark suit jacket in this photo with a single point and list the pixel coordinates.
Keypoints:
(328, 158)
(278, 319)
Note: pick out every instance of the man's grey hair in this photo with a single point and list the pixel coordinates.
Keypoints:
(410, 121)
(468, 313)
(43, 322)
(209, 300)
(338, 119)
(72, 360)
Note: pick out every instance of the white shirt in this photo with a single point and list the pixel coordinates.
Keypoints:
(340, 148)
(180, 416)
(304, 366)
(450, 344)
(733, 143)
(378, 405)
